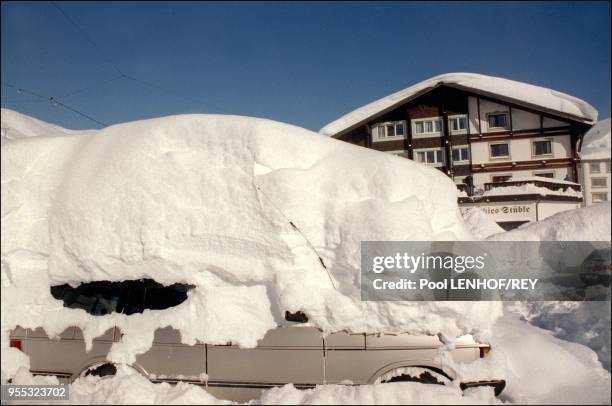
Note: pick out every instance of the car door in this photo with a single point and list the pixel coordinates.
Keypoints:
(169, 360)
(285, 354)
(65, 355)
(358, 358)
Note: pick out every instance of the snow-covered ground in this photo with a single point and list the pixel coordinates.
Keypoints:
(208, 200)
(586, 224)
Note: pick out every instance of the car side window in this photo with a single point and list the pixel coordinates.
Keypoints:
(127, 297)
(297, 317)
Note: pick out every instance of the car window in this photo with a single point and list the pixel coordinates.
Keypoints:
(127, 297)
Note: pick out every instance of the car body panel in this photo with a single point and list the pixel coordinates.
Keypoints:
(274, 360)
(67, 355)
(296, 354)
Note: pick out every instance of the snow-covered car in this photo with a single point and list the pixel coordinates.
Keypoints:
(293, 353)
(596, 268)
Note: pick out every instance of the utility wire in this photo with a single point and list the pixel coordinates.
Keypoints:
(154, 86)
(84, 89)
(53, 101)
(87, 37)
(108, 60)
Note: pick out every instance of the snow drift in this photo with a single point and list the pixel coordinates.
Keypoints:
(210, 200)
(479, 223)
(597, 141)
(16, 125)
(591, 223)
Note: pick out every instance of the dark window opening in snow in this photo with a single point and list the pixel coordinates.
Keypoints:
(127, 297)
(297, 317)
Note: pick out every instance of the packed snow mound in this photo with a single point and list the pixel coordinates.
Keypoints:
(518, 92)
(479, 223)
(16, 125)
(210, 200)
(543, 369)
(585, 224)
(596, 142)
(587, 323)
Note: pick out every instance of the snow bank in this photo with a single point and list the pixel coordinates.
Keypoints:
(585, 224)
(404, 393)
(130, 387)
(479, 223)
(16, 125)
(596, 142)
(207, 200)
(518, 92)
(542, 369)
(587, 323)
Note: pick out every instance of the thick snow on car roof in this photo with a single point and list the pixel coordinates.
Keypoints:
(207, 200)
(517, 92)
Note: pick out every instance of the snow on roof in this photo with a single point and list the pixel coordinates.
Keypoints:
(530, 189)
(541, 179)
(517, 92)
(596, 142)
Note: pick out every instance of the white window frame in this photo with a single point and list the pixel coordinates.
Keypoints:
(456, 116)
(538, 173)
(592, 164)
(593, 186)
(500, 174)
(426, 135)
(376, 137)
(496, 113)
(499, 143)
(533, 152)
(462, 161)
(425, 150)
(597, 200)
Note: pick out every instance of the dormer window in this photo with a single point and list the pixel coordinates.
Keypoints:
(498, 121)
(393, 130)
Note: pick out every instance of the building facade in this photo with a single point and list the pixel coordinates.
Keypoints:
(474, 128)
(594, 167)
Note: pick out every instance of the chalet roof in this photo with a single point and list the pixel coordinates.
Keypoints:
(519, 93)
(596, 143)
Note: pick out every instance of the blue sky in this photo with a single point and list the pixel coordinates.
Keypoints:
(301, 63)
